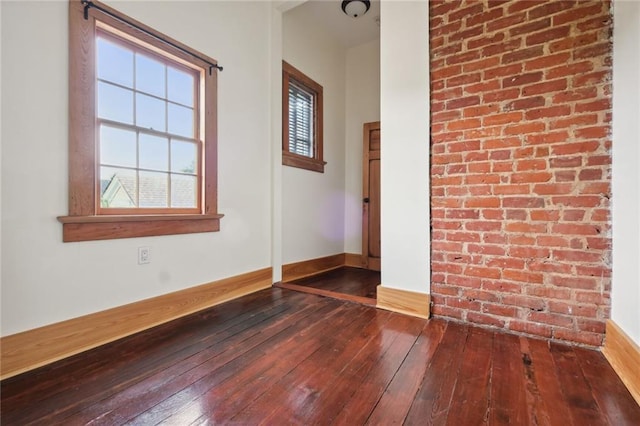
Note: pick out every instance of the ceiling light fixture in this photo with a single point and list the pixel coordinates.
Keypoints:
(355, 8)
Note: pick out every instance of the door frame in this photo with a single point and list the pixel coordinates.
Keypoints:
(367, 262)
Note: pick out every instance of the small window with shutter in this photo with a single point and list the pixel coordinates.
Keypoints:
(301, 120)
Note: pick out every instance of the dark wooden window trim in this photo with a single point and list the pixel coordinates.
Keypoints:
(316, 162)
(83, 223)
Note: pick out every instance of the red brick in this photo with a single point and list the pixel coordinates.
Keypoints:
(550, 8)
(500, 48)
(529, 252)
(551, 319)
(526, 165)
(463, 146)
(592, 132)
(528, 327)
(553, 188)
(548, 35)
(464, 124)
(501, 95)
(466, 34)
(506, 263)
(463, 236)
(548, 215)
(521, 79)
(592, 326)
(485, 40)
(462, 214)
(593, 339)
(482, 87)
(522, 54)
(547, 62)
(576, 14)
(478, 318)
(563, 162)
(533, 177)
(503, 71)
(592, 297)
(522, 276)
(502, 286)
(521, 240)
(482, 272)
(565, 308)
(549, 266)
(577, 95)
(474, 294)
(523, 202)
(545, 87)
(577, 201)
(486, 249)
(507, 21)
(446, 267)
(445, 290)
(479, 167)
(575, 229)
(445, 311)
(464, 79)
(445, 29)
(461, 281)
(525, 128)
(549, 292)
(503, 154)
(445, 116)
(595, 23)
(523, 301)
(526, 227)
(462, 13)
(554, 111)
(573, 43)
(480, 110)
(547, 137)
(481, 179)
(575, 148)
(529, 27)
(573, 215)
(496, 309)
(463, 57)
(552, 241)
(577, 256)
(505, 118)
(590, 174)
(593, 51)
(570, 70)
(511, 189)
(526, 103)
(517, 214)
(592, 79)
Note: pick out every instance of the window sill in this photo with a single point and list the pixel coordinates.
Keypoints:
(294, 160)
(108, 227)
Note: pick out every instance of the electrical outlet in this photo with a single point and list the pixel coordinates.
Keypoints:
(144, 255)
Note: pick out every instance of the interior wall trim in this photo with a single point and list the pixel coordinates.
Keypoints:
(34, 348)
(307, 268)
(624, 356)
(404, 301)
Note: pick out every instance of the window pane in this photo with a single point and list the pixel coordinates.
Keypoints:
(117, 147)
(184, 157)
(153, 189)
(115, 63)
(115, 103)
(300, 121)
(117, 187)
(181, 121)
(154, 152)
(180, 86)
(183, 191)
(150, 76)
(150, 112)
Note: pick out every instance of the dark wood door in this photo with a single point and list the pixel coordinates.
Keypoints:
(371, 196)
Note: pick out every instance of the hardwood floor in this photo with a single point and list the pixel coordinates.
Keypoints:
(346, 283)
(283, 357)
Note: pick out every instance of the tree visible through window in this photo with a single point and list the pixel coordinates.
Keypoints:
(142, 130)
(301, 120)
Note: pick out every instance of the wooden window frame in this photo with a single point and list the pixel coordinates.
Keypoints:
(289, 158)
(84, 223)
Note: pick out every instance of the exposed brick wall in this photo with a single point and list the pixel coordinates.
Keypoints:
(521, 165)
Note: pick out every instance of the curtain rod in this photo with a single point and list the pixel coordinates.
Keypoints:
(89, 4)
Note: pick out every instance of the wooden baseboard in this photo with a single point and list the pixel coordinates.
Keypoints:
(355, 260)
(403, 301)
(34, 348)
(624, 356)
(307, 268)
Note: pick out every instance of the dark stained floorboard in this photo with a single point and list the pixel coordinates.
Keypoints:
(281, 357)
(345, 280)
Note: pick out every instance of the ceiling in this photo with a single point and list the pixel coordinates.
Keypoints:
(346, 30)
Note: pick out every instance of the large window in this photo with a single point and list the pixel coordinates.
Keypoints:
(301, 120)
(142, 131)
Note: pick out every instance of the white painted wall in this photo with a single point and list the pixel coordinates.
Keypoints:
(362, 106)
(44, 280)
(625, 290)
(313, 203)
(404, 49)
